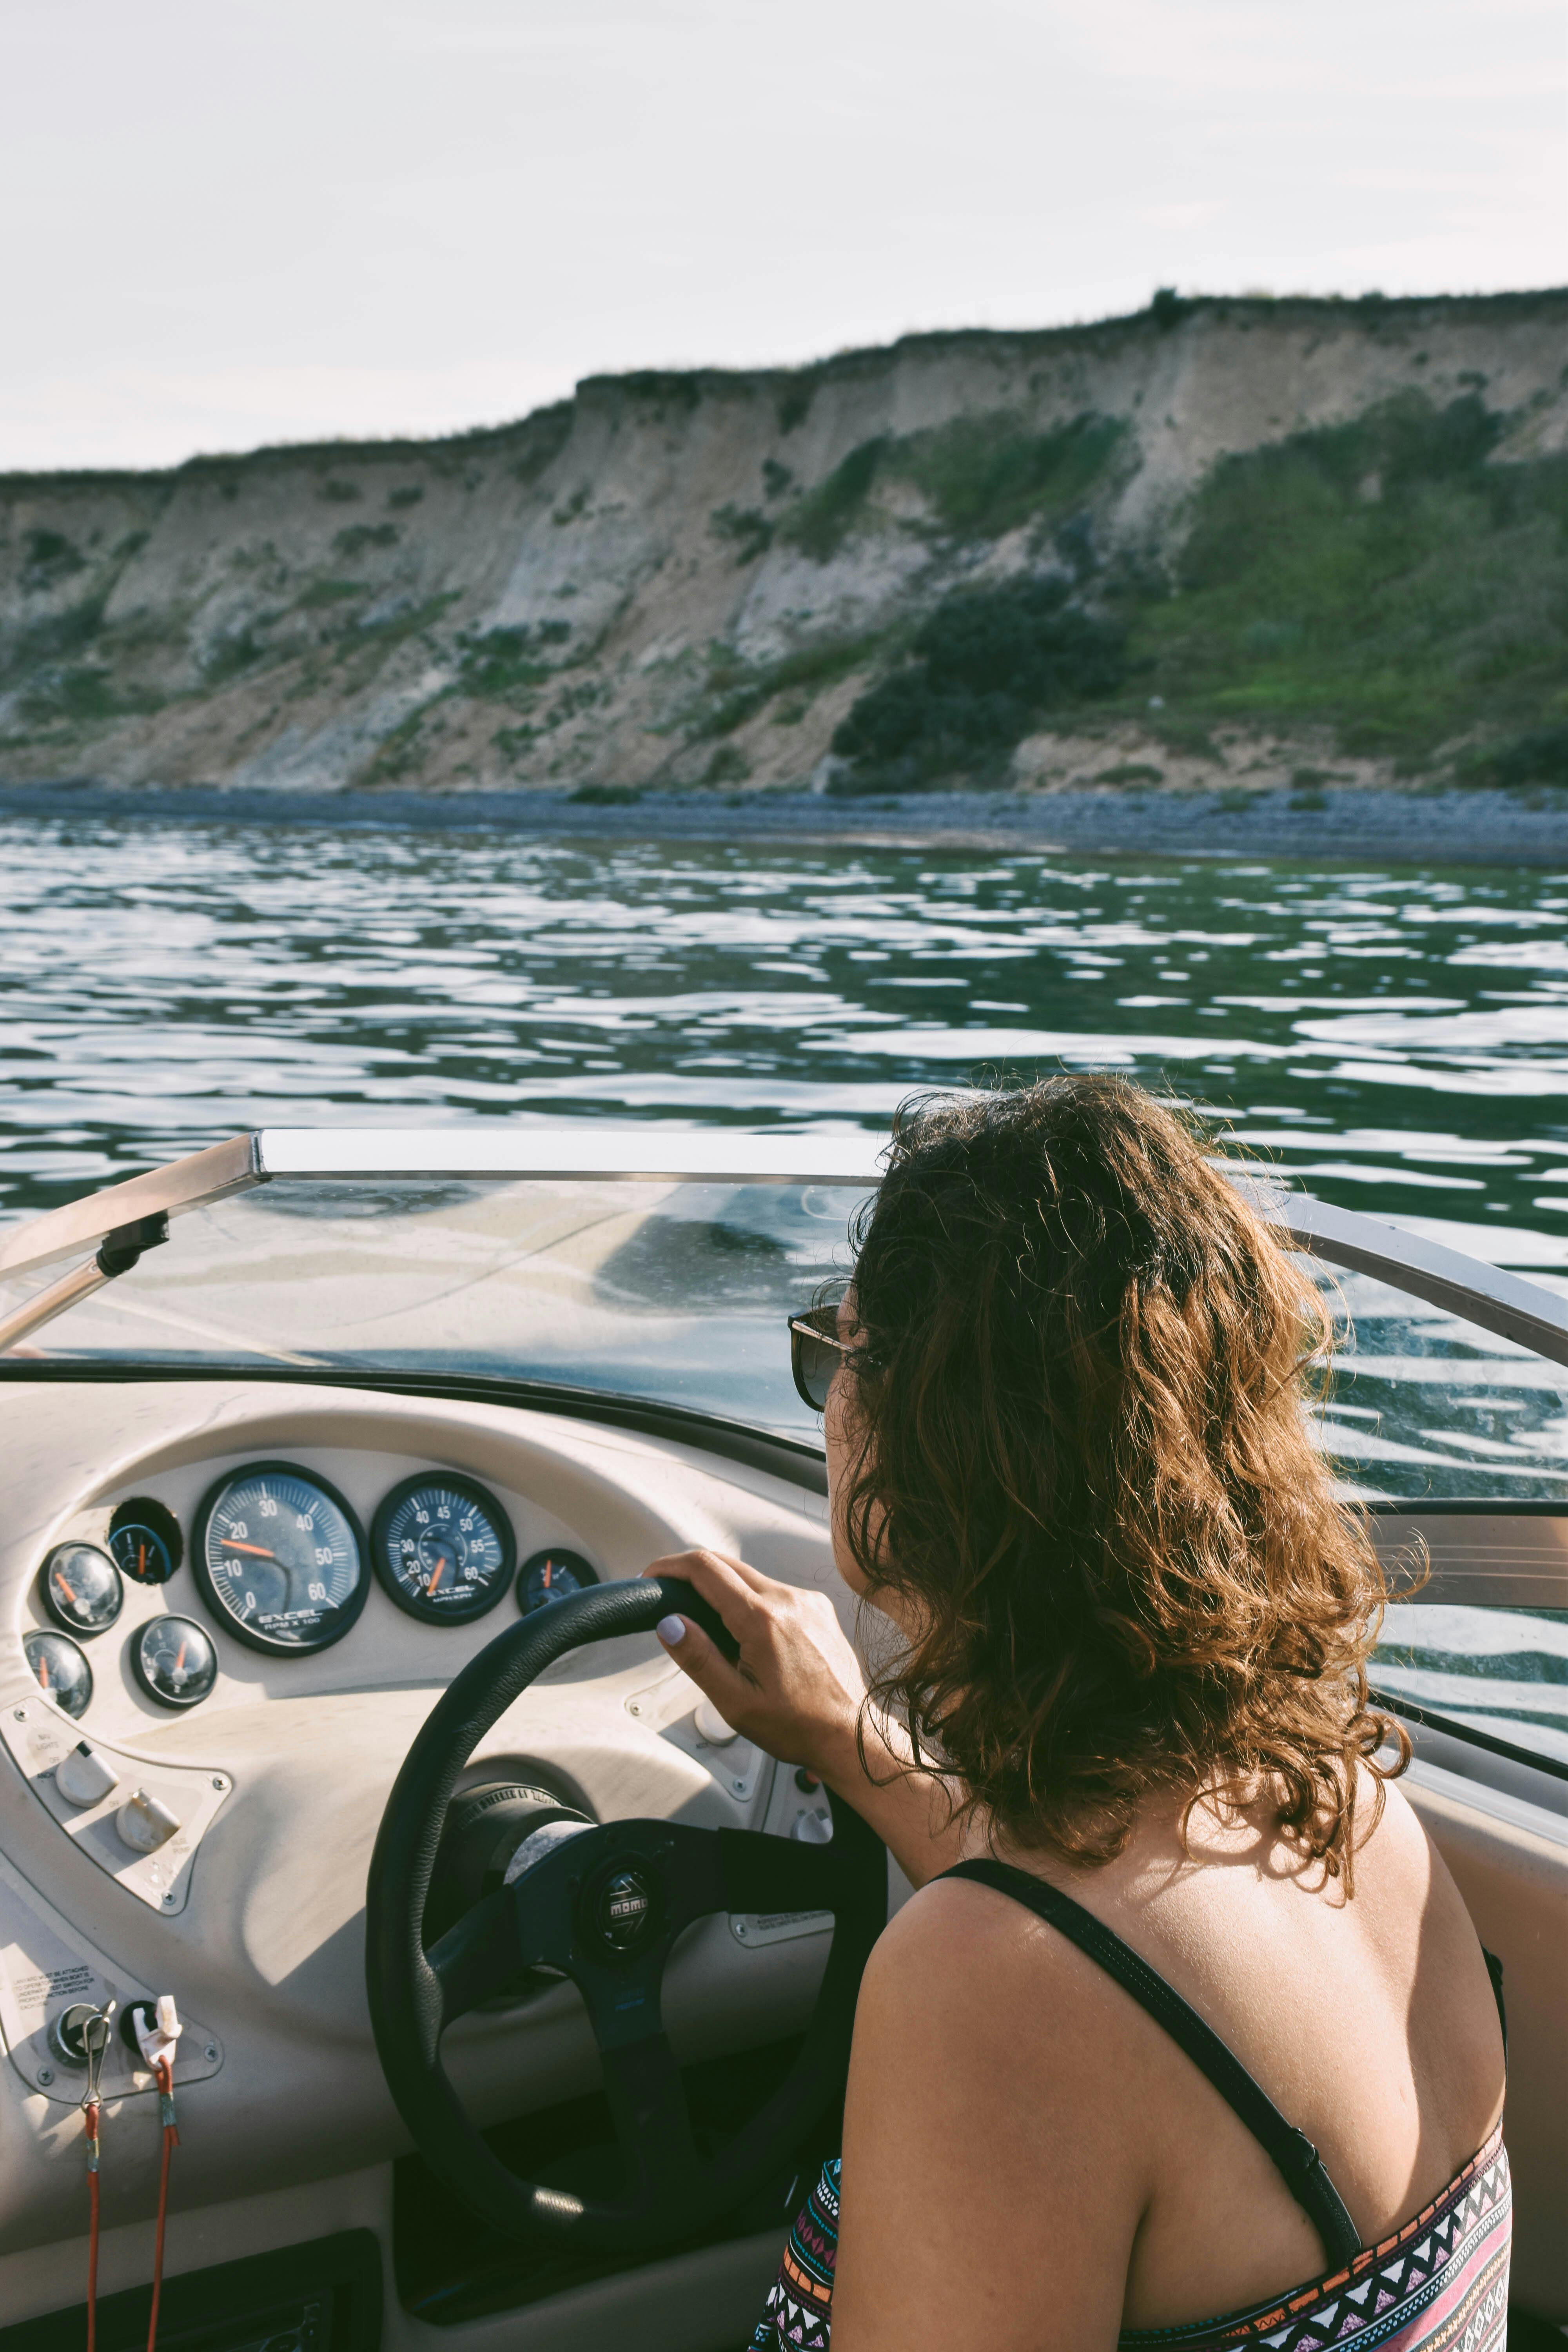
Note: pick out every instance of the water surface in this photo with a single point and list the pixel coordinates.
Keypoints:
(1396, 1038)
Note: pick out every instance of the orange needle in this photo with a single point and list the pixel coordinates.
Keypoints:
(259, 1549)
(180, 1661)
(436, 1579)
(141, 1559)
(70, 1591)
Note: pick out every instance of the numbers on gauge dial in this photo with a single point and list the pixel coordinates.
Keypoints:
(173, 1660)
(443, 1546)
(280, 1559)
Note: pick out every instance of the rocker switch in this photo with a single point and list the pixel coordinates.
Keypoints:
(82, 1777)
(144, 1824)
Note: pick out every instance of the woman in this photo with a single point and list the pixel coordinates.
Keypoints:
(1068, 1458)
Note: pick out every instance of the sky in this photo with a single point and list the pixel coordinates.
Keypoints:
(283, 220)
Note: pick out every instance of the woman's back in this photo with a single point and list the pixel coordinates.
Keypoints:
(1069, 1460)
(1371, 2024)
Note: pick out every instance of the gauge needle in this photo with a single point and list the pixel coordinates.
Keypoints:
(435, 1578)
(141, 1559)
(70, 1590)
(258, 1551)
(180, 1661)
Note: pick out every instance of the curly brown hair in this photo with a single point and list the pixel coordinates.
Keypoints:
(1083, 1473)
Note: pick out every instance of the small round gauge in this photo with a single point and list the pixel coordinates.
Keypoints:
(552, 1576)
(443, 1548)
(144, 1538)
(280, 1559)
(60, 1670)
(173, 1660)
(80, 1589)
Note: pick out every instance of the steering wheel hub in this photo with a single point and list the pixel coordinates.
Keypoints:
(606, 1906)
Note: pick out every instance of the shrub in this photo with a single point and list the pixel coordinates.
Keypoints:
(820, 522)
(751, 533)
(987, 665)
(408, 494)
(776, 478)
(1167, 309)
(361, 535)
(503, 660)
(1385, 577)
(985, 475)
(729, 765)
(48, 557)
(322, 593)
(338, 492)
(745, 692)
(1539, 757)
(230, 656)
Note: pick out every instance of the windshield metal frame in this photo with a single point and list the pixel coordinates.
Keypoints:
(1494, 1301)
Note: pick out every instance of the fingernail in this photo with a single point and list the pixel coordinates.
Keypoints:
(671, 1630)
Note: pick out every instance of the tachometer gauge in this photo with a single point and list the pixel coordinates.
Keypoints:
(144, 1538)
(60, 1670)
(81, 1588)
(173, 1660)
(552, 1576)
(280, 1559)
(443, 1548)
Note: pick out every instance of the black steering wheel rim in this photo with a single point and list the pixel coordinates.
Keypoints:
(414, 1995)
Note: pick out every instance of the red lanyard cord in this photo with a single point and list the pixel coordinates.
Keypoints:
(164, 2070)
(89, 2117)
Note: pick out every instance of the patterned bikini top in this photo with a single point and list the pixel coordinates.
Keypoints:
(1439, 2282)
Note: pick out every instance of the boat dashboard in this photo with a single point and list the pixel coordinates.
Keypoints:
(227, 1608)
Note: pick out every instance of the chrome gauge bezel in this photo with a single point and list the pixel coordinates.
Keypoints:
(53, 1633)
(344, 1618)
(60, 1616)
(415, 1604)
(143, 1675)
(584, 1573)
(153, 1519)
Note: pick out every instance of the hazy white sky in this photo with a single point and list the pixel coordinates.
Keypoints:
(235, 221)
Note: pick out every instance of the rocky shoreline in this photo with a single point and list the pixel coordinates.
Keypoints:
(1337, 825)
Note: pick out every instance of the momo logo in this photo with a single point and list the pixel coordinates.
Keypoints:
(624, 1909)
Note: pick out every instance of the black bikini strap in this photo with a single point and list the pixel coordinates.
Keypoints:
(1292, 2152)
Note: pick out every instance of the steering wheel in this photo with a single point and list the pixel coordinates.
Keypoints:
(605, 1906)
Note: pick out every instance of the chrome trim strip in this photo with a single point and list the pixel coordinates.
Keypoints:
(233, 1166)
(1495, 1301)
(590, 1151)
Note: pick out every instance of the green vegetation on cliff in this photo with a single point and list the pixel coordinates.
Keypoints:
(1388, 577)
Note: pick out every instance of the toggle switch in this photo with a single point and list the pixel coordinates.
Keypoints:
(144, 1822)
(82, 1777)
(813, 1828)
(712, 1726)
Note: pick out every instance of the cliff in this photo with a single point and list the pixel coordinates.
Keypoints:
(1251, 532)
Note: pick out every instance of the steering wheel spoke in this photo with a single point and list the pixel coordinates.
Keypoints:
(478, 1955)
(652, 2120)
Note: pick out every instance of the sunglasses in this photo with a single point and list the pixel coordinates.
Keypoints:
(817, 1353)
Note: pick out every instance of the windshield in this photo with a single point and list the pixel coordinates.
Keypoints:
(671, 1291)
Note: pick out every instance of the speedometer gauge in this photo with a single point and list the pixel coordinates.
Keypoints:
(280, 1559)
(443, 1548)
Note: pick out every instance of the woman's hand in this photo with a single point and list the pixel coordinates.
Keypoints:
(797, 1688)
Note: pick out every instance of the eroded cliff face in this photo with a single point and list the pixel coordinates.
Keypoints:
(692, 580)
